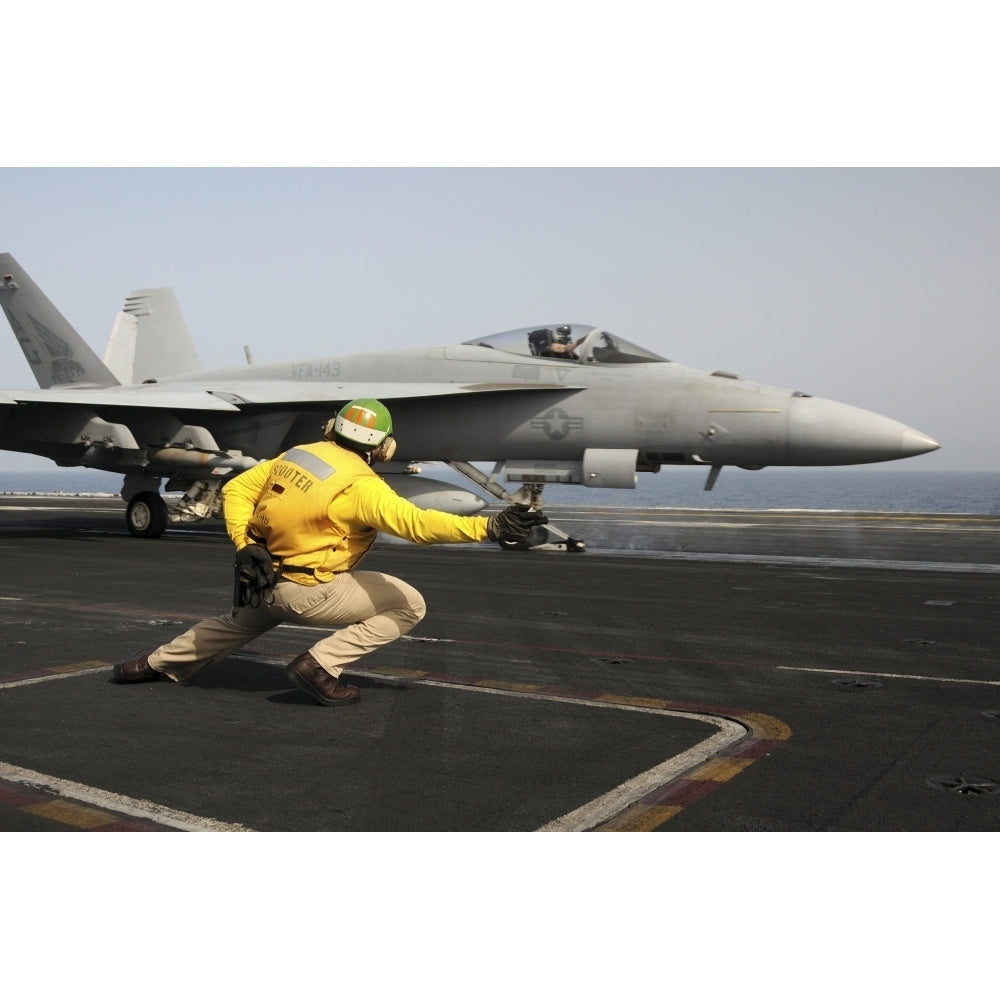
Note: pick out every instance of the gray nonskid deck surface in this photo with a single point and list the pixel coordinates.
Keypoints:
(772, 671)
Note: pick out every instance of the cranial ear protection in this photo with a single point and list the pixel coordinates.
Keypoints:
(383, 452)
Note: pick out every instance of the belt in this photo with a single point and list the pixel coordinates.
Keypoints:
(285, 568)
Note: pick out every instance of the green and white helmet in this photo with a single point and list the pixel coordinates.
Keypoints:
(366, 423)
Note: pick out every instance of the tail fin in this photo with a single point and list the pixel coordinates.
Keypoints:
(150, 339)
(58, 355)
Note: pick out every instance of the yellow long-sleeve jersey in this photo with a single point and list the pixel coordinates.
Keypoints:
(318, 509)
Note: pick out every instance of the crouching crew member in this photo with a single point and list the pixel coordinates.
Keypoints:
(301, 524)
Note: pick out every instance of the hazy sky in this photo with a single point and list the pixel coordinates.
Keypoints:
(876, 287)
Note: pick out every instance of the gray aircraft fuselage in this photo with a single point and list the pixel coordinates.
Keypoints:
(521, 408)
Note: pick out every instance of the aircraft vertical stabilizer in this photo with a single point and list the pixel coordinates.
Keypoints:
(58, 355)
(150, 339)
(119, 355)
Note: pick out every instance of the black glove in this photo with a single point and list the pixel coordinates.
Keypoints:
(513, 524)
(255, 568)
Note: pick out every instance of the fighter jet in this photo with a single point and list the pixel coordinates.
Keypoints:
(551, 403)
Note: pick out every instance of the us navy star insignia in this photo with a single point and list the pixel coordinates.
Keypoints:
(557, 424)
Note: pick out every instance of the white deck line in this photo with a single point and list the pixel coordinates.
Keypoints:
(113, 802)
(899, 677)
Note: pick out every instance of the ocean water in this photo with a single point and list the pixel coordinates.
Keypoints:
(870, 489)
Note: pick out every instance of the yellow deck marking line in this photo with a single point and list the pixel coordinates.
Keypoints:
(72, 814)
(650, 815)
(605, 807)
(719, 770)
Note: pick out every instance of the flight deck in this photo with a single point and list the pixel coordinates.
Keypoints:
(691, 671)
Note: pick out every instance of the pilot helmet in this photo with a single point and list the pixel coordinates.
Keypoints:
(564, 333)
(364, 425)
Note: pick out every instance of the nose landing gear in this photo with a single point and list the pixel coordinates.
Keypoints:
(540, 538)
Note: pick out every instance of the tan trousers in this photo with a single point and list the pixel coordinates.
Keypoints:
(373, 609)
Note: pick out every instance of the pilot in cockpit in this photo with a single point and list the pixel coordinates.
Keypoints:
(546, 345)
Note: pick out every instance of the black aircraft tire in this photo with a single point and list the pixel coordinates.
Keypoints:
(146, 516)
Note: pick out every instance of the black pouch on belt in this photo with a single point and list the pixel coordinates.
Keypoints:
(253, 576)
(241, 588)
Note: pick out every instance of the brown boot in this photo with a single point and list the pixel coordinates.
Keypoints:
(135, 670)
(305, 673)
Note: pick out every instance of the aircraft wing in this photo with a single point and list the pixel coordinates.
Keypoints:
(278, 393)
(119, 396)
(232, 396)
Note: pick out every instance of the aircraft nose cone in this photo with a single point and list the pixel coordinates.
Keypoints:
(915, 443)
(824, 432)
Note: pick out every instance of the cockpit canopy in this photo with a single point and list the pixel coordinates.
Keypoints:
(576, 343)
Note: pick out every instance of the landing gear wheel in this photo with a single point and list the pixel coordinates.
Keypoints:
(146, 516)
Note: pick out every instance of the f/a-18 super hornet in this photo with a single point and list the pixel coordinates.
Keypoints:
(551, 403)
